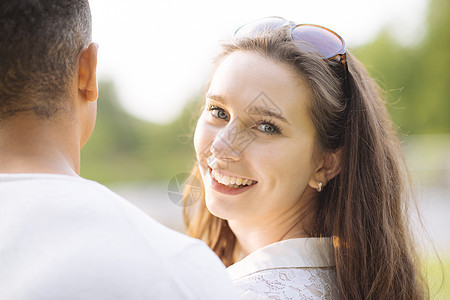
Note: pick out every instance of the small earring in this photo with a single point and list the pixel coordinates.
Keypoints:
(319, 188)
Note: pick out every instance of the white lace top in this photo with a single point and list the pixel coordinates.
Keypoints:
(299, 268)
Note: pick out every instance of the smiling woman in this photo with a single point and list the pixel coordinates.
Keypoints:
(264, 167)
(304, 183)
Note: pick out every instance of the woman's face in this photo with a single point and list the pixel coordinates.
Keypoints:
(254, 140)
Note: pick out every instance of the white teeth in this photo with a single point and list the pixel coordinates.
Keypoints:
(230, 180)
(226, 180)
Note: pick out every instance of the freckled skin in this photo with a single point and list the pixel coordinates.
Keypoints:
(283, 164)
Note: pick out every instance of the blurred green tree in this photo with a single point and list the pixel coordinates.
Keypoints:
(416, 78)
(126, 149)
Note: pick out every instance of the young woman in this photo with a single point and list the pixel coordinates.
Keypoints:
(305, 186)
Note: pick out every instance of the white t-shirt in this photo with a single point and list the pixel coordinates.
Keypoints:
(299, 268)
(64, 237)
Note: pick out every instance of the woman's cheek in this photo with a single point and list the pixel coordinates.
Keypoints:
(203, 138)
(198, 135)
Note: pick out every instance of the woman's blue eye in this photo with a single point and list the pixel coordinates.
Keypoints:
(268, 128)
(218, 113)
(221, 114)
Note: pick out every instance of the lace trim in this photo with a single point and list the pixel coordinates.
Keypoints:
(289, 283)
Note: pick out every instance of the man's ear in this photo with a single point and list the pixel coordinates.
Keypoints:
(328, 168)
(87, 73)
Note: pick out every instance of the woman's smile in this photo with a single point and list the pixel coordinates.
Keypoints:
(230, 181)
(229, 185)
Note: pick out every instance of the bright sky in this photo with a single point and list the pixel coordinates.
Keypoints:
(159, 53)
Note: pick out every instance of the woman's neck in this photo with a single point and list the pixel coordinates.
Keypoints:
(254, 234)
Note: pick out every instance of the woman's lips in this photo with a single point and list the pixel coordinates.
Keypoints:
(232, 189)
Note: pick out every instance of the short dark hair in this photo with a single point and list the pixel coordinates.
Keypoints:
(40, 41)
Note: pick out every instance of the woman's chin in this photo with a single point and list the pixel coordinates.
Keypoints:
(221, 208)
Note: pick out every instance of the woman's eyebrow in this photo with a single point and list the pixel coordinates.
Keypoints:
(217, 98)
(264, 111)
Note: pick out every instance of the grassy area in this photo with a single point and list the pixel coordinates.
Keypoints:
(438, 274)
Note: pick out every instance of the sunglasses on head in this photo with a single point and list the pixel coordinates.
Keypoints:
(307, 37)
(315, 37)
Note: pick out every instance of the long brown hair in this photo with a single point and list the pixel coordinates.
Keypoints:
(364, 208)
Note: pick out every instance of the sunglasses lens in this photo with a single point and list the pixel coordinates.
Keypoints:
(320, 38)
(257, 27)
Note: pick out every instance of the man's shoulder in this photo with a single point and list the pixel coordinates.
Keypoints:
(65, 235)
(46, 204)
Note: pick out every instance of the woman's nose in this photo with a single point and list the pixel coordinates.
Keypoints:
(231, 141)
(224, 148)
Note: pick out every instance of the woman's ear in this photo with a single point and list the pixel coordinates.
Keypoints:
(87, 73)
(328, 168)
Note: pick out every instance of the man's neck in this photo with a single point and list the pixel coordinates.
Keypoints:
(29, 144)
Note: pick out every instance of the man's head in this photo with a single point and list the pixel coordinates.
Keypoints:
(40, 46)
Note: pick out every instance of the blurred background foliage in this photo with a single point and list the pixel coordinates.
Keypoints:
(126, 149)
(416, 79)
